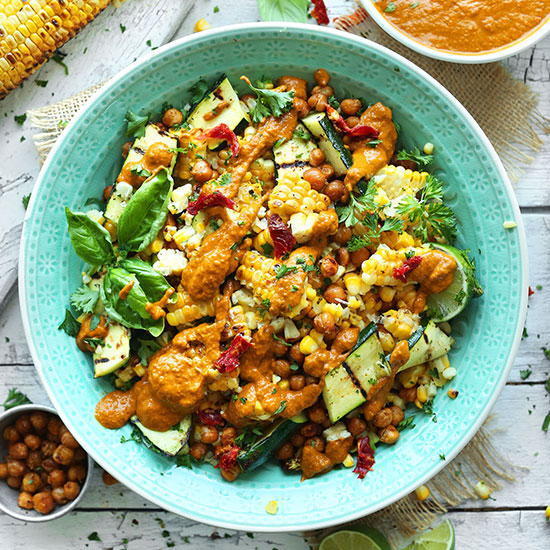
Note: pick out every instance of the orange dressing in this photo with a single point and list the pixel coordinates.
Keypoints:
(156, 156)
(85, 332)
(155, 309)
(124, 291)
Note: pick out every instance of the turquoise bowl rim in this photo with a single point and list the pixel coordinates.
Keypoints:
(328, 520)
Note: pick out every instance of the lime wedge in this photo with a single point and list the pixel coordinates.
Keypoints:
(440, 538)
(449, 303)
(355, 538)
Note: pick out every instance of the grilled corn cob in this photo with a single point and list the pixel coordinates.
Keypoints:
(396, 181)
(184, 311)
(258, 273)
(31, 31)
(400, 323)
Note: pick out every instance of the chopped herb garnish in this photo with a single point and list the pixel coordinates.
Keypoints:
(459, 297)
(139, 171)
(216, 9)
(294, 367)
(41, 83)
(276, 338)
(406, 423)
(94, 536)
(294, 288)
(546, 352)
(442, 456)
(20, 119)
(70, 325)
(136, 124)
(390, 8)
(122, 27)
(84, 299)
(526, 373)
(25, 200)
(58, 57)
(243, 400)
(134, 436)
(374, 232)
(284, 270)
(414, 5)
(301, 133)
(281, 408)
(546, 423)
(417, 156)
(184, 461)
(269, 102)
(14, 399)
(264, 308)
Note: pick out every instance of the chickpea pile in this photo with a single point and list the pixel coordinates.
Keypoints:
(44, 462)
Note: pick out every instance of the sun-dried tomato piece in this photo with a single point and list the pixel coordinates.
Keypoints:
(361, 130)
(210, 417)
(283, 239)
(229, 359)
(531, 291)
(365, 458)
(222, 131)
(229, 458)
(319, 11)
(211, 199)
(402, 272)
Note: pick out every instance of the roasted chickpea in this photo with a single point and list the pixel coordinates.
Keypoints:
(54, 425)
(23, 424)
(324, 322)
(359, 256)
(228, 435)
(49, 464)
(76, 473)
(310, 430)
(322, 77)
(202, 171)
(327, 170)
(14, 482)
(388, 435)
(56, 478)
(32, 441)
(198, 450)
(297, 439)
(335, 190)
(126, 149)
(281, 367)
(208, 434)
(356, 426)
(350, 106)
(397, 415)
(353, 121)
(382, 418)
(408, 394)
(68, 440)
(63, 455)
(345, 339)
(31, 482)
(71, 488)
(311, 380)
(302, 107)
(315, 178)
(33, 460)
(318, 443)
(297, 382)
(231, 474)
(279, 348)
(11, 435)
(43, 502)
(296, 355)
(107, 193)
(318, 102)
(108, 479)
(342, 256)
(325, 90)
(39, 420)
(80, 454)
(172, 117)
(317, 414)
(58, 494)
(343, 235)
(24, 500)
(3, 470)
(19, 451)
(329, 266)
(316, 157)
(16, 468)
(285, 451)
(335, 294)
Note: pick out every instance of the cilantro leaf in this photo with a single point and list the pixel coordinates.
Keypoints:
(269, 103)
(357, 206)
(421, 159)
(406, 423)
(70, 325)
(184, 461)
(25, 200)
(84, 299)
(146, 349)
(301, 133)
(284, 270)
(374, 232)
(136, 124)
(526, 373)
(281, 408)
(546, 423)
(15, 398)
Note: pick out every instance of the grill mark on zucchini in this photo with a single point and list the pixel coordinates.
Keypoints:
(353, 379)
(295, 164)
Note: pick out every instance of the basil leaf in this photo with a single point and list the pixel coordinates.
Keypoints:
(130, 312)
(90, 241)
(152, 282)
(284, 10)
(70, 325)
(145, 213)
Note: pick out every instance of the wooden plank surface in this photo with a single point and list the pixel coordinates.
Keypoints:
(123, 520)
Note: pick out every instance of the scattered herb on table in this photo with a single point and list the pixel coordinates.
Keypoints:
(14, 399)
(525, 373)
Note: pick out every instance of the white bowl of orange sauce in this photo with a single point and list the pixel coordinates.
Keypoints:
(463, 31)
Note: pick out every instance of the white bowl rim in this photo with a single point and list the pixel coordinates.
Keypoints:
(470, 59)
(55, 513)
(219, 522)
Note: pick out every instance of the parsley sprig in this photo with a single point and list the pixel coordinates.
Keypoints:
(269, 102)
(357, 206)
(15, 398)
(428, 214)
(421, 159)
(374, 232)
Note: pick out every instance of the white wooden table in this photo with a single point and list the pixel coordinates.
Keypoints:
(514, 520)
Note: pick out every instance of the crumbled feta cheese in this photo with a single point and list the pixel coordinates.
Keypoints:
(336, 431)
(170, 262)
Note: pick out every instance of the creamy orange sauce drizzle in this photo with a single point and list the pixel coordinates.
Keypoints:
(469, 26)
(125, 290)
(155, 309)
(85, 332)
(156, 156)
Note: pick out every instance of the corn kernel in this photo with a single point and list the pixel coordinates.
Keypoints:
(353, 283)
(453, 394)
(258, 409)
(386, 293)
(310, 293)
(308, 345)
(387, 341)
(482, 491)
(284, 384)
(449, 373)
(202, 25)
(428, 148)
(422, 493)
(547, 513)
(272, 507)
(422, 394)
(418, 403)
(348, 461)
(509, 224)
(354, 303)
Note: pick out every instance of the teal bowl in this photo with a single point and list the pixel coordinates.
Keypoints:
(87, 157)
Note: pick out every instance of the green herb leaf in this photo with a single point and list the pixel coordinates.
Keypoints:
(267, 248)
(284, 270)
(15, 398)
(183, 461)
(90, 241)
(280, 408)
(284, 10)
(406, 423)
(94, 536)
(41, 83)
(58, 58)
(270, 103)
(70, 325)
(20, 119)
(145, 213)
(140, 172)
(25, 200)
(301, 133)
(390, 8)
(84, 299)
(357, 206)
(146, 349)
(416, 155)
(277, 339)
(152, 282)
(136, 124)
(526, 373)
(546, 423)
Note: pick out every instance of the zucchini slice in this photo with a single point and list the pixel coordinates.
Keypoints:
(259, 452)
(330, 142)
(294, 155)
(171, 442)
(114, 352)
(219, 105)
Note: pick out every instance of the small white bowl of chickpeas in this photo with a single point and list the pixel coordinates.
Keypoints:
(43, 470)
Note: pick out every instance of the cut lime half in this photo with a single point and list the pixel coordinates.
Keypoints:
(440, 538)
(356, 537)
(449, 303)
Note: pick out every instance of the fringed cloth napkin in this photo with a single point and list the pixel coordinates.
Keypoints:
(505, 108)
